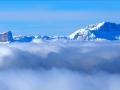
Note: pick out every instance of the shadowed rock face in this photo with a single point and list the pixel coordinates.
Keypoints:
(6, 37)
(109, 31)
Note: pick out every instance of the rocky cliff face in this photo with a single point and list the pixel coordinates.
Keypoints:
(6, 37)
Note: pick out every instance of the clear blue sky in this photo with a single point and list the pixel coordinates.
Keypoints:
(53, 17)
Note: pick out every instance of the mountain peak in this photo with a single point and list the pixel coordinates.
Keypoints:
(99, 25)
(104, 30)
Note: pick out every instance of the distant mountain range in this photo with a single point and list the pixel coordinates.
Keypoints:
(100, 31)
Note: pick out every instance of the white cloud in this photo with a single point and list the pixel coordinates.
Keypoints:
(60, 65)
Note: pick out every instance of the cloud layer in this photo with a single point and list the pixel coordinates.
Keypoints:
(81, 56)
(60, 65)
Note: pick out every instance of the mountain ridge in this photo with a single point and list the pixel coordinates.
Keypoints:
(99, 31)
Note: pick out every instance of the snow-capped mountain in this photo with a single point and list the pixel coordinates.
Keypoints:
(100, 31)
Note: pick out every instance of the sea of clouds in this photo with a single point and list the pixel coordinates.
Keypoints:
(60, 65)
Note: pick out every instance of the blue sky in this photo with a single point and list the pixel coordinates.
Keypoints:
(52, 17)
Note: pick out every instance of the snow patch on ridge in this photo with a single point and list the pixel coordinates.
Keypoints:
(96, 27)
